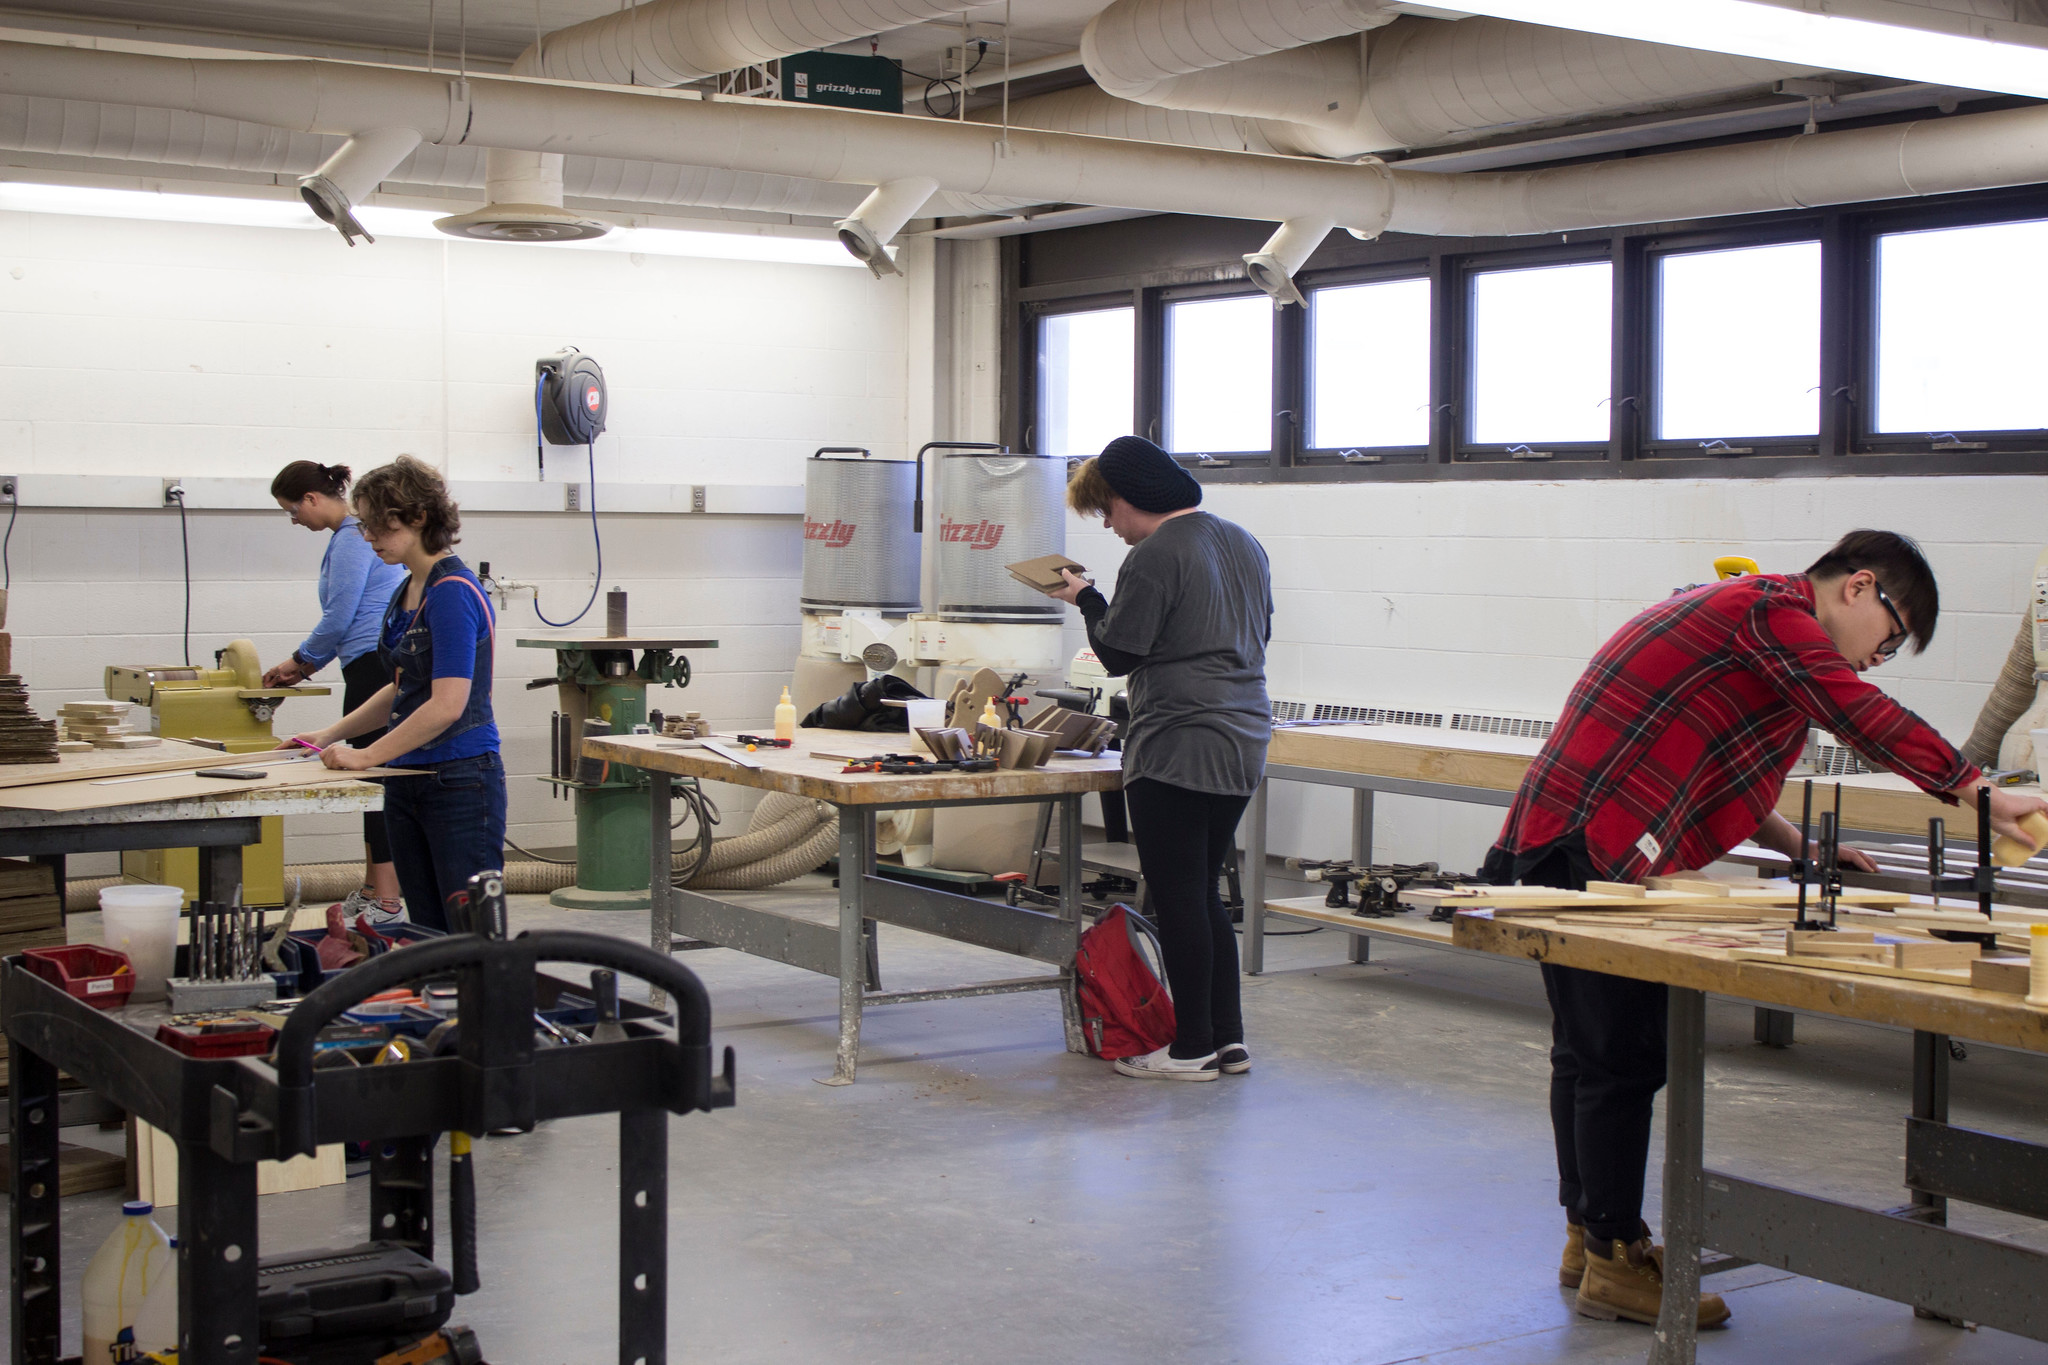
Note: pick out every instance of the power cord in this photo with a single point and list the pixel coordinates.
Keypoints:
(177, 494)
(590, 496)
(934, 82)
(13, 511)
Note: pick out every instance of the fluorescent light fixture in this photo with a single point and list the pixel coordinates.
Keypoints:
(385, 221)
(91, 202)
(1912, 42)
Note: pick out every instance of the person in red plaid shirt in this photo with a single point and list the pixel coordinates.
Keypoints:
(1673, 748)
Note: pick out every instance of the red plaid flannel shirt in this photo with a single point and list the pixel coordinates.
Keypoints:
(1675, 743)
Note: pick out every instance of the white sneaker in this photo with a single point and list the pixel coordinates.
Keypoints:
(1233, 1059)
(1164, 1066)
(379, 912)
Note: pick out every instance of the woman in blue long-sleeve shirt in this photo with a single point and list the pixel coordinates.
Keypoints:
(355, 586)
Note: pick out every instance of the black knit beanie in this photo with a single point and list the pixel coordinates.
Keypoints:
(1147, 477)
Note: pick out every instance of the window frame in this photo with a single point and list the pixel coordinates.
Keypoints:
(1028, 414)
(1151, 261)
(1650, 306)
(1863, 439)
(1469, 268)
(1282, 407)
(1393, 272)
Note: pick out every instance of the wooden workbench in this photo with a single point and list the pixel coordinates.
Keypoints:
(1456, 765)
(847, 951)
(1906, 1254)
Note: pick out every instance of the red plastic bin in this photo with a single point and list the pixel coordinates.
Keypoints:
(101, 977)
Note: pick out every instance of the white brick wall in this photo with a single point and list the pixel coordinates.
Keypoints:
(184, 350)
(1493, 595)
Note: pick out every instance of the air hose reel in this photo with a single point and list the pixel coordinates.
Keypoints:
(569, 401)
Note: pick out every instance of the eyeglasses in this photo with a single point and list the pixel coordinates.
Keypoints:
(1890, 648)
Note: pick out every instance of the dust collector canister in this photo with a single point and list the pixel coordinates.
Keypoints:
(860, 552)
(995, 510)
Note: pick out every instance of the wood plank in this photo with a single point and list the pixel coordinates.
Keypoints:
(178, 785)
(1949, 1005)
(1958, 977)
(172, 754)
(802, 770)
(1616, 889)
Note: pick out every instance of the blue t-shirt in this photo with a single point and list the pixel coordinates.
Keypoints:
(460, 628)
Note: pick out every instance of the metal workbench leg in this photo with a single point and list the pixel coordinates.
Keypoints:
(1684, 1193)
(217, 1319)
(643, 1237)
(1774, 1027)
(660, 875)
(220, 872)
(856, 854)
(1361, 856)
(34, 1241)
(1070, 914)
(1255, 883)
(1930, 1102)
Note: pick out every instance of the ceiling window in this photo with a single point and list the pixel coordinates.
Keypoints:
(1960, 341)
(1369, 365)
(1086, 377)
(1541, 344)
(1738, 343)
(1219, 374)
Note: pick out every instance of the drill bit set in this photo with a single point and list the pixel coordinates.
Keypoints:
(223, 959)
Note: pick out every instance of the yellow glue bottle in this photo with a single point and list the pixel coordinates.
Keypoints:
(2037, 965)
(785, 717)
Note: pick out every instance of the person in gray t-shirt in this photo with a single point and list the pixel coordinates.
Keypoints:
(1189, 627)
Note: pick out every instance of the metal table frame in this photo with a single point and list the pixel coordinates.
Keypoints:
(847, 951)
(1906, 1254)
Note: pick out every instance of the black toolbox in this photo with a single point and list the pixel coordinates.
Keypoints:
(349, 1306)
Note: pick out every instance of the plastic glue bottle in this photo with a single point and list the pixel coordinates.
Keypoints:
(119, 1277)
(785, 717)
(156, 1323)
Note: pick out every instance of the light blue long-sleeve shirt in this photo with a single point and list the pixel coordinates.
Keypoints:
(355, 587)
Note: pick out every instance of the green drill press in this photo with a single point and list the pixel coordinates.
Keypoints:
(601, 682)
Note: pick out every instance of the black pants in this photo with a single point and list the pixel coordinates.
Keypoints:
(361, 679)
(1607, 1036)
(1183, 838)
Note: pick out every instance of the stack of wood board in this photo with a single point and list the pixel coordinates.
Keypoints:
(31, 916)
(25, 737)
(101, 724)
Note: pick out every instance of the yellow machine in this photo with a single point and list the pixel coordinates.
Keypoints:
(227, 703)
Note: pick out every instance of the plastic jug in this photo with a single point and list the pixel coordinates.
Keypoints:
(156, 1324)
(117, 1280)
(785, 717)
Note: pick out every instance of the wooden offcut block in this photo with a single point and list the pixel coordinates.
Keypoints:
(154, 1156)
(2005, 973)
(80, 1170)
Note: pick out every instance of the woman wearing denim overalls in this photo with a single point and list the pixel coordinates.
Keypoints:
(447, 823)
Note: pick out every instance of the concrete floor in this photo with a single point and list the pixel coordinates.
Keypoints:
(1379, 1189)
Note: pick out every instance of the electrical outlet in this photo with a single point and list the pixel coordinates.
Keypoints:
(174, 492)
(7, 488)
(696, 497)
(572, 497)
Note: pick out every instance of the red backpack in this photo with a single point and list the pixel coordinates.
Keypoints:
(1125, 1011)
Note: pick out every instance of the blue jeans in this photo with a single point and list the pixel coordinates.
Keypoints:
(445, 826)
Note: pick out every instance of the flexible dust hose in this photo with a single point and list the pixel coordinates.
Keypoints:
(780, 822)
(2010, 697)
(822, 843)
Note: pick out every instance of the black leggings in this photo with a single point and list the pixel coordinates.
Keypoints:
(362, 678)
(1183, 838)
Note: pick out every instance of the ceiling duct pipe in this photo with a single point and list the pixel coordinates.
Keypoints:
(1364, 79)
(665, 43)
(1272, 267)
(1937, 156)
(352, 174)
(880, 217)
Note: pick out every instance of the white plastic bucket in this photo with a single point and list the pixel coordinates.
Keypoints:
(142, 921)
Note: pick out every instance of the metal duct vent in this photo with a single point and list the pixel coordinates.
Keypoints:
(1525, 727)
(522, 223)
(1520, 726)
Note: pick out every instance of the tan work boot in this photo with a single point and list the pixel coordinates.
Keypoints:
(1572, 1268)
(1629, 1283)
